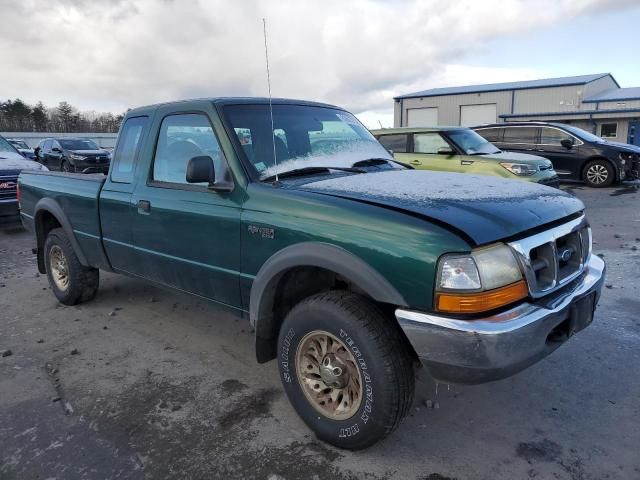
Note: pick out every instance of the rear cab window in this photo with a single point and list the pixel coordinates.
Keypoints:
(127, 149)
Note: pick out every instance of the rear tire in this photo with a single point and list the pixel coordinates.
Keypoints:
(598, 174)
(346, 368)
(71, 282)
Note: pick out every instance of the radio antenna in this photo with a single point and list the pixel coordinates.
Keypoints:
(273, 135)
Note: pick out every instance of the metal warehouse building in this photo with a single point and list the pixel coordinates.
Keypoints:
(595, 103)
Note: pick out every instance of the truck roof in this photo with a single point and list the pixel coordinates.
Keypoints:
(233, 101)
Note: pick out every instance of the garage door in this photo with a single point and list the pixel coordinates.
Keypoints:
(471, 115)
(422, 117)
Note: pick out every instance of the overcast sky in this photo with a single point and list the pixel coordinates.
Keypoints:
(117, 54)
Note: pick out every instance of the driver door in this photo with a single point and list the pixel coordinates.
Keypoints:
(186, 235)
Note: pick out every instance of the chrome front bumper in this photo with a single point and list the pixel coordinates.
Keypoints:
(495, 347)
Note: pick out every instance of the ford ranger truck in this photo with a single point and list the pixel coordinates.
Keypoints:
(351, 268)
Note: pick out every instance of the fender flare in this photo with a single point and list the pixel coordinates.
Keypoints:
(49, 205)
(309, 254)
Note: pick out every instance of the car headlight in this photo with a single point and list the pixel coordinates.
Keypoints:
(483, 280)
(75, 156)
(520, 169)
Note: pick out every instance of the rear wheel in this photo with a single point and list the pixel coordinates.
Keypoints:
(71, 282)
(346, 369)
(598, 173)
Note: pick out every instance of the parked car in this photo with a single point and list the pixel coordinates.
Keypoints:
(350, 267)
(460, 149)
(22, 147)
(11, 164)
(73, 155)
(575, 153)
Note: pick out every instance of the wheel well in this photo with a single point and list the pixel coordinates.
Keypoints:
(290, 288)
(45, 222)
(603, 159)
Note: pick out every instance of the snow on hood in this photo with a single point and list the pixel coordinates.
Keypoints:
(90, 152)
(517, 157)
(337, 158)
(424, 186)
(486, 209)
(15, 161)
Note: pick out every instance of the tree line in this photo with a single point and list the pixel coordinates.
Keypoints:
(18, 116)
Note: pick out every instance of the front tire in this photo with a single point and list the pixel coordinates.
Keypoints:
(70, 281)
(67, 167)
(346, 369)
(598, 174)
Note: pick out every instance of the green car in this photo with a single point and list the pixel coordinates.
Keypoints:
(461, 150)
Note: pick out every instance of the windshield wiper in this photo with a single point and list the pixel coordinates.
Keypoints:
(300, 172)
(370, 162)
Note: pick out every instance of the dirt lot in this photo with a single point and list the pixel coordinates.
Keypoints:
(145, 383)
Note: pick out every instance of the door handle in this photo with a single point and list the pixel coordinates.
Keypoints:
(414, 162)
(144, 206)
(466, 162)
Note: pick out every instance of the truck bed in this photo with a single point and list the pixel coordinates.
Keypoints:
(75, 195)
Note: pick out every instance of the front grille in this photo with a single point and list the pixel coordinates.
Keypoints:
(8, 186)
(552, 258)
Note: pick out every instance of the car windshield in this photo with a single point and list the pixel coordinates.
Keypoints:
(583, 134)
(303, 137)
(6, 146)
(18, 144)
(74, 144)
(471, 143)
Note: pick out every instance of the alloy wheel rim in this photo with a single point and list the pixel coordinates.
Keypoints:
(329, 375)
(597, 174)
(59, 268)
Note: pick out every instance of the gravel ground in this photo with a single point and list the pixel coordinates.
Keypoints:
(145, 383)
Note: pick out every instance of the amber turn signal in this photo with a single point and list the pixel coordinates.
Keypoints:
(481, 301)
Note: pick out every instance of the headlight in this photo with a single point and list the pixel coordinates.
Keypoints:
(75, 156)
(520, 169)
(483, 280)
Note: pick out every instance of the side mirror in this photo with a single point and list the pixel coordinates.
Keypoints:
(56, 149)
(567, 143)
(445, 151)
(200, 169)
(390, 152)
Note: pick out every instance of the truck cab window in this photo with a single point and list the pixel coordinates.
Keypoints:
(122, 170)
(182, 137)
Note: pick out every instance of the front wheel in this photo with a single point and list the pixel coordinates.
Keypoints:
(346, 369)
(598, 173)
(67, 167)
(71, 282)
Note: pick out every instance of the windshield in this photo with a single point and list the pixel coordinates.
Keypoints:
(471, 143)
(583, 134)
(6, 146)
(18, 144)
(302, 137)
(78, 145)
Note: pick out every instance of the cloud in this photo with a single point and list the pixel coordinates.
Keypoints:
(358, 54)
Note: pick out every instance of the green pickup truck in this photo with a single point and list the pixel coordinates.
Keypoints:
(352, 269)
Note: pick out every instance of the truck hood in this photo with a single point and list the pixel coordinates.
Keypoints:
(485, 208)
(15, 161)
